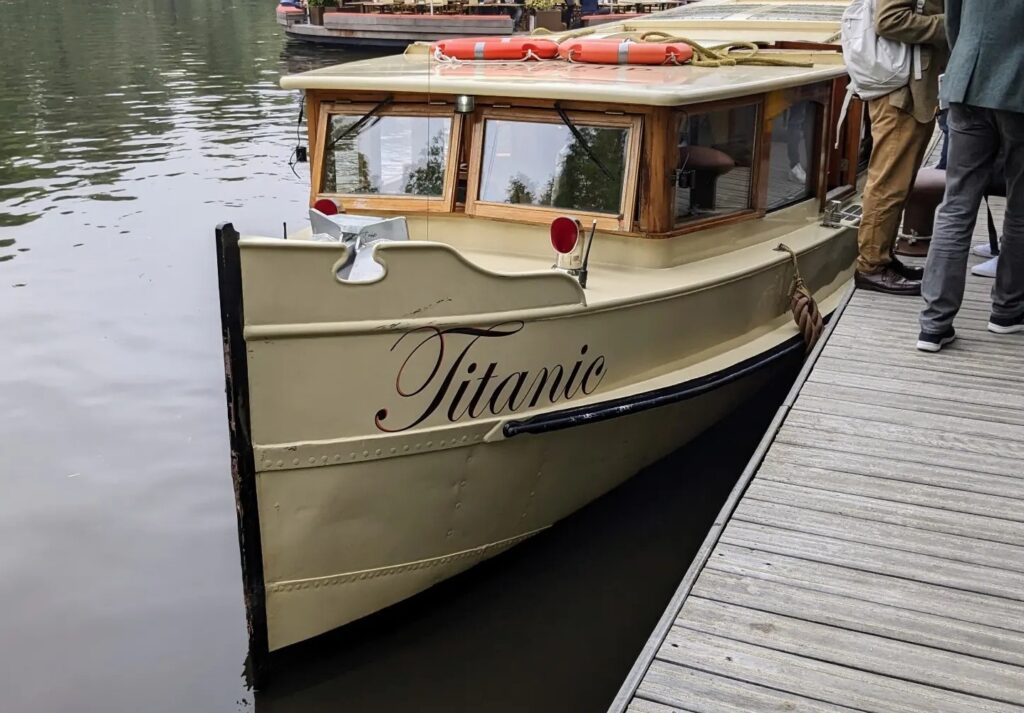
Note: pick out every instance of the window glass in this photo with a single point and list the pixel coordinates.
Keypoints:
(791, 157)
(542, 164)
(716, 156)
(388, 155)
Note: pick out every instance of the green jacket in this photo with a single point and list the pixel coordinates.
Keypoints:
(987, 37)
(899, 20)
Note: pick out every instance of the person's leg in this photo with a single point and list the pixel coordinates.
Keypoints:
(944, 153)
(895, 157)
(794, 133)
(973, 142)
(1008, 291)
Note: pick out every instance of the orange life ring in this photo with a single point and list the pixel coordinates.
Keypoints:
(625, 52)
(500, 48)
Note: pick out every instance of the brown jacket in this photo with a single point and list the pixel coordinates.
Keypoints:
(899, 20)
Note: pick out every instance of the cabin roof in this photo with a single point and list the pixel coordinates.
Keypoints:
(708, 22)
(660, 86)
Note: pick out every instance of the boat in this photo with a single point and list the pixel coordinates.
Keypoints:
(387, 24)
(523, 282)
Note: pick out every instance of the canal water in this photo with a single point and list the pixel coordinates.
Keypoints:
(128, 129)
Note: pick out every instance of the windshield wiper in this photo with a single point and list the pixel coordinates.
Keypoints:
(582, 141)
(359, 124)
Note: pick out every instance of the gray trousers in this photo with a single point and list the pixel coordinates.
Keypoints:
(975, 136)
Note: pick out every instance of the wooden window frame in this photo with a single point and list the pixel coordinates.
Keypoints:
(622, 222)
(390, 203)
(776, 103)
(842, 179)
(757, 167)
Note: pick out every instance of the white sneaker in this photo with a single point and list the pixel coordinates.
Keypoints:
(982, 250)
(798, 173)
(986, 269)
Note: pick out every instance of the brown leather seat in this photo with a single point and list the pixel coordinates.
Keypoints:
(919, 214)
(707, 164)
(705, 158)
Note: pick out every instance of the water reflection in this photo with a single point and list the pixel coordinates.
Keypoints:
(128, 129)
(101, 98)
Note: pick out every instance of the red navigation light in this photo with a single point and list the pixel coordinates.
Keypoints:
(326, 206)
(564, 234)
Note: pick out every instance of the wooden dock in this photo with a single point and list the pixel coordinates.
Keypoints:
(871, 558)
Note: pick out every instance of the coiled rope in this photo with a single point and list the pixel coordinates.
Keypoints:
(724, 55)
(801, 303)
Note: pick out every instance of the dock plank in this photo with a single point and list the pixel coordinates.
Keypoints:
(870, 508)
(850, 612)
(910, 594)
(897, 562)
(843, 442)
(705, 691)
(856, 650)
(952, 500)
(872, 556)
(901, 469)
(831, 683)
(915, 539)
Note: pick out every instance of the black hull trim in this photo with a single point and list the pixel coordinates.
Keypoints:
(243, 466)
(583, 415)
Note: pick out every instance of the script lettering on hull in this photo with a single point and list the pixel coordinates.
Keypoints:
(441, 375)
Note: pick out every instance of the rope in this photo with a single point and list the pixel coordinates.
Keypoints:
(723, 55)
(563, 36)
(801, 303)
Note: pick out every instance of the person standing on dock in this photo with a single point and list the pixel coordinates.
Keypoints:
(986, 112)
(902, 123)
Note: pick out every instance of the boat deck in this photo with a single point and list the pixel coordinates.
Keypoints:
(871, 558)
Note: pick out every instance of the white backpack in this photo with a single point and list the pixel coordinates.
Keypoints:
(877, 66)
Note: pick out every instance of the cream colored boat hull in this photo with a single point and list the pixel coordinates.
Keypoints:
(431, 516)
(376, 477)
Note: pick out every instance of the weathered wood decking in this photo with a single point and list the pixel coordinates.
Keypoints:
(875, 561)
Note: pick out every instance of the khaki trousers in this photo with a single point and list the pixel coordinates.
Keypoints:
(899, 145)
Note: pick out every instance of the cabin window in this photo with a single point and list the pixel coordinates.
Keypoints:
(377, 160)
(547, 165)
(792, 175)
(533, 165)
(717, 150)
(388, 155)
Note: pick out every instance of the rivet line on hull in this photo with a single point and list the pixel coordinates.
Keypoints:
(315, 454)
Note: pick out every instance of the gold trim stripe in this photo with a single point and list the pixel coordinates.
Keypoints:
(349, 577)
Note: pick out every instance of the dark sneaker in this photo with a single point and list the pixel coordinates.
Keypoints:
(928, 342)
(886, 281)
(1005, 325)
(906, 271)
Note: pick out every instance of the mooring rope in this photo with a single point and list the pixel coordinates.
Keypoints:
(801, 303)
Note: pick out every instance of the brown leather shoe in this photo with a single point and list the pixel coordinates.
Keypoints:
(887, 281)
(906, 271)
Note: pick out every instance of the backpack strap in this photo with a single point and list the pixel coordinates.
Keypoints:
(842, 112)
(993, 234)
(917, 48)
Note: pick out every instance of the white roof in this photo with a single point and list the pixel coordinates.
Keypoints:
(707, 23)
